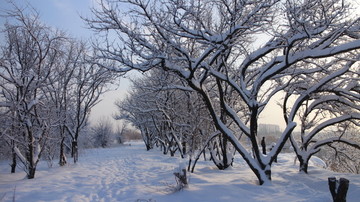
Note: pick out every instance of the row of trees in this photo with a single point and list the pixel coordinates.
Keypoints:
(49, 83)
(102, 134)
(174, 117)
(309, 55)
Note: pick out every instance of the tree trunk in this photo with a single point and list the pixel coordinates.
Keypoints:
(268, 174)
(220, 157)
(189, 164)
(165, 150)
(183, 148)
(304, 164)
(13, 164)
(31, 167)
(74, 151)
(203, 151)
(275, 158)
(31, 172)
(224, 148)
(147, 142)
(147, 139)
(62, 158)
(263, 175)
(172, 151)
(147, 146)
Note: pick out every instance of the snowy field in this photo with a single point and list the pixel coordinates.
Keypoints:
(129, 173)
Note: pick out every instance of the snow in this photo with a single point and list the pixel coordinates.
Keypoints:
(316, 161)
(130, 173)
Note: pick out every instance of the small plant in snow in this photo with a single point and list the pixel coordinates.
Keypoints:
(181, 177)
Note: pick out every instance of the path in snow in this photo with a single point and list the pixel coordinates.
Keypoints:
(124, 173)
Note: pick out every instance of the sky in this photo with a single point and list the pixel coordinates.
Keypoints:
(65, 15)
(62, 14)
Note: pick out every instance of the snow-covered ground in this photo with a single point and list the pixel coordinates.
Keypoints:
(129, 173)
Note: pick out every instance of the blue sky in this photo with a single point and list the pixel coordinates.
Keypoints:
(62, 14)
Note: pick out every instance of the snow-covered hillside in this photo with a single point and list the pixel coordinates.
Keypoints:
(129, 173)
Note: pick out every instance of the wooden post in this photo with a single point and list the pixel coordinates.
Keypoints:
(338, 188)
(342, 189)
(332, 186)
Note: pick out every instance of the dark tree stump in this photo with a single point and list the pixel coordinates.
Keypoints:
(338, 188)
(181, 179)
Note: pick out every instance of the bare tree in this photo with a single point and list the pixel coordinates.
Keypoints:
(102, 133)
(88, 84)
(332, 101)
(60, 93)
(208, 41)
(29, 54)
(120, 133)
